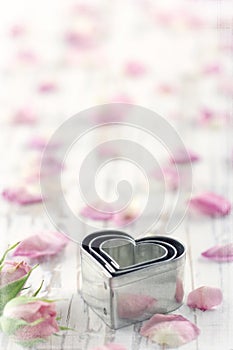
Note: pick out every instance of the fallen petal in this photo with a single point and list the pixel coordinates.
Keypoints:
(211, 204)
(25, 116)
(220, 253)
(98, 212)
(21, 196)
(169, 330)
(184, 156)
(204, 298)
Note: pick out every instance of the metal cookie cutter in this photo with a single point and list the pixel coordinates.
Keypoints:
(126, 281)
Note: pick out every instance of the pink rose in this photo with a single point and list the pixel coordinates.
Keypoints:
(28, 319)
(41, 245)
(12, 271)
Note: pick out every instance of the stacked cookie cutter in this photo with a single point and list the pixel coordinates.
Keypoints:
(125, 281)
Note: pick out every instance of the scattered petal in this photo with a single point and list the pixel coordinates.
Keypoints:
(99, 212)
(184, 156)
(40, 245)
(169, 330)
(204, 298)
(132, 306)
(211, 204)
(25, 115)
(220, 253)
(125, 217)
(47, 87)
(21, 196)
(135, 69)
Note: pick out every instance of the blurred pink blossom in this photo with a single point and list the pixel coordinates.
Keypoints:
(135, 68)
(212, 68)
(21, 196)
(220, 253)
(125, 217)
(40, 142)
(42, 245)
(25, 115)
(210, 204)
(182, 157)
(47, 87)
(169, 330)
(12, 271)
(97, 212)
(27, 56)
(204, 298)
(170, 176)
(17, 30)
(132, 306)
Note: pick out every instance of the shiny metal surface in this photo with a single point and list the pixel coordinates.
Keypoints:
(126, 281)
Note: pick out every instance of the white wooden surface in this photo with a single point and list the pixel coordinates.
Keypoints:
(90, 83)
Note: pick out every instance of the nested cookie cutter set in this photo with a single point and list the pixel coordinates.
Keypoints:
(126, 281)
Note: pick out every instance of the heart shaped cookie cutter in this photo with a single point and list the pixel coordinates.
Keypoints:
(126, 280)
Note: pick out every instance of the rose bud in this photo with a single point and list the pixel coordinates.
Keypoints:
(29, 320)
(12, 271)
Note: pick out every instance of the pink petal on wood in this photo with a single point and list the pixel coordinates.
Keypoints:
(204, 298)
(169, 330)
(184, 156)
(43, 244)
(25, 115)
(21, 196)
(211, 204)
(99, 212)
(220, 253)
(135, 68)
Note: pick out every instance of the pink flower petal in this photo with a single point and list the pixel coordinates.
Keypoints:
(170, 175)
(21, 196)
(169, 330)
(25, 115)
(99, 212)
(220, 253)
(47, 87)
(211, 204)
(110, 346)
(40, 142)
(204, 298)
(41, 245)
(135, 68)
(124, 217)
(182, 157)
(132, 306)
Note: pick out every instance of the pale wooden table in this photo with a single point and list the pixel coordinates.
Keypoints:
(176, 57)
(62, 276)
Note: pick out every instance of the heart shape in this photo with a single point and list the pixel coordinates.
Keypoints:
(119, 253)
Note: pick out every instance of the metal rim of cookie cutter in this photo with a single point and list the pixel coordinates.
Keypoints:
(115, 260)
